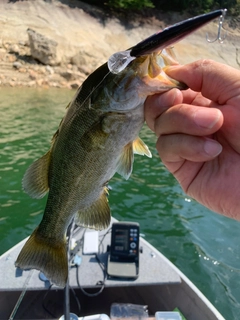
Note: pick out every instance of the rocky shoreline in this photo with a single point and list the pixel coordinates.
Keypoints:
(50, 44)
(20, 68)
(58, 45)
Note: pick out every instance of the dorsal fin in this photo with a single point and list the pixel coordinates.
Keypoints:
(35, 180)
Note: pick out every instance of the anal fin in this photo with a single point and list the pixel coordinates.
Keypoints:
(97, 216)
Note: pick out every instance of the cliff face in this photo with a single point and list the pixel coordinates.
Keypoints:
(83, 41)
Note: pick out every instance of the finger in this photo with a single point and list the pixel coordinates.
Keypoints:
(196, 98)
(216, 81)
(191, 120)
(155, 105)
(176, 148)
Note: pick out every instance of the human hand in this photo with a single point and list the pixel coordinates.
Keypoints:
(199, 133)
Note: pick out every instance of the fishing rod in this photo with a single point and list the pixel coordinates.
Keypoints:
(67, 314)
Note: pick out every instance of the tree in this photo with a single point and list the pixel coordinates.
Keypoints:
(130, 4)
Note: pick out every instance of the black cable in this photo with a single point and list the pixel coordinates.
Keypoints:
(77, 300)
(102, 266)
(43, 305)
(84, 291)
(103, 237)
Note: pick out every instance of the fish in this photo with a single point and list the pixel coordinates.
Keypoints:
(97, 138)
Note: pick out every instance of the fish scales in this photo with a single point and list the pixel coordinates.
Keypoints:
(97, 138)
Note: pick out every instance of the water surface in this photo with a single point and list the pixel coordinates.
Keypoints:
(204, 245)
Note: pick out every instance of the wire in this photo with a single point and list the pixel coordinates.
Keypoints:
(77, 300)
(49, 312)
(103, 237)
(84, 291)
(43, 305)
(103, 268)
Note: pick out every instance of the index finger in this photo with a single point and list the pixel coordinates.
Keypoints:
(157, 104)
(216, 81)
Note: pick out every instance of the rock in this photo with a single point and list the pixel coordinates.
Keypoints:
(55, 85)
(84, 62)
(32, 75)
(13, 48)
(6, 44)
(2, 54)
(42, 48)
(23, 43)
(39, 82)
(74, 85)
(49, 70)
(22, 70)
(17, 64)
(31, 83)
(63, 84)
(69, 75)
(12, 83)
(84, 69)
(12, 58)
(79, 59)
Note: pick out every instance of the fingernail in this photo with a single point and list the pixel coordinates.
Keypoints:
(212, 148)
(171, 68)
(206, 118)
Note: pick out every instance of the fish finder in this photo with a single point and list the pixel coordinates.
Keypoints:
(123, 260)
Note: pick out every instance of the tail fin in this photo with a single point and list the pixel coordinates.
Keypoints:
(39, 254)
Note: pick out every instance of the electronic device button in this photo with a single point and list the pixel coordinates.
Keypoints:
(133, 245)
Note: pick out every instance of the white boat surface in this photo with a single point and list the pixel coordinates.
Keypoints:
(160, 285)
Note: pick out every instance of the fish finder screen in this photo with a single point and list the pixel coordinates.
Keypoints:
(121, 240)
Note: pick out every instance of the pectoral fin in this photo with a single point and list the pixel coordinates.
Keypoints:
(125, 162)
(97, 216)
(139, 147)
(35, 180)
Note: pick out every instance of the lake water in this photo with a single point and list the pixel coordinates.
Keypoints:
(204, 245)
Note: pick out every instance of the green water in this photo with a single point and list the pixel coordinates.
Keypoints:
(204, 245)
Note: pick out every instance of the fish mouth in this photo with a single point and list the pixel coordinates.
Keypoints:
(173, 34)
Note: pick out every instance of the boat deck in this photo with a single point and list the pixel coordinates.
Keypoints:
(160, 286)
(153, 269)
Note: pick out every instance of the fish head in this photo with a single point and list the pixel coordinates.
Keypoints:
(151, 69)
(141, 70)
(145, 75)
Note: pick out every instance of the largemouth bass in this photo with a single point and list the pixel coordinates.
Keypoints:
(97, 138)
